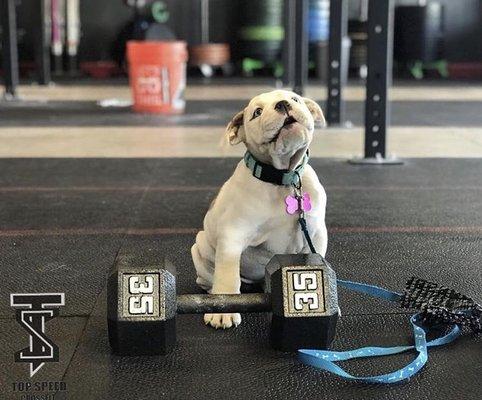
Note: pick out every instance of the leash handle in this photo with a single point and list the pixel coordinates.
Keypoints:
(326, 360)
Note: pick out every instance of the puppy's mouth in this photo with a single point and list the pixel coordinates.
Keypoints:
(289, 120)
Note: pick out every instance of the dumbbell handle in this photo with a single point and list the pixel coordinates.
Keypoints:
(223, 303)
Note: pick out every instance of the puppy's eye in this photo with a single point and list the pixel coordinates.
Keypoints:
(296, 99)
(257, 113)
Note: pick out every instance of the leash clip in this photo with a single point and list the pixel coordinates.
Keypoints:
(298, 186)
(298, 194)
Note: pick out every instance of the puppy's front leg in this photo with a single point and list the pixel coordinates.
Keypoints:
(320, 240)
(226, 281)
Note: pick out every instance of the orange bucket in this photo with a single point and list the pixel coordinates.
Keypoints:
(157, 75)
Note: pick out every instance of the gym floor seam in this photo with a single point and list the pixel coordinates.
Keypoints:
(466, 230)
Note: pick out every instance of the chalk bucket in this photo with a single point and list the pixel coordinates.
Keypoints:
(157, 76)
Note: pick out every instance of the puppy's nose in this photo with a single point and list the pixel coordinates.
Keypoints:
(282, 106)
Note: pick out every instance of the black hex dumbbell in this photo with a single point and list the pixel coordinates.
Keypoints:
(142, 304)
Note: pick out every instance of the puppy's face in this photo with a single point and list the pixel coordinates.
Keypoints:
(276, 127)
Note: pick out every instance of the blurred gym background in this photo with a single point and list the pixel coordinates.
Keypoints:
(87, 37)
(65, 64)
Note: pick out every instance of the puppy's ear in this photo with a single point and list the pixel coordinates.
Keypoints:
(315, 110)
(235, 129)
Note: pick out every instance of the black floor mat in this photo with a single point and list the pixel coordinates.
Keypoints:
(62, 222)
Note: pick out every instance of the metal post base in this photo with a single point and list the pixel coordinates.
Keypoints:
(341, 125)
(9, 97)
(379, 160)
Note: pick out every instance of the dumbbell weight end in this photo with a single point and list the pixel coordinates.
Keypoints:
(141, 306)
(304, 301)
(147, 338)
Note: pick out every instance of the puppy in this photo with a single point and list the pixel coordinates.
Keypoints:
(248, 222)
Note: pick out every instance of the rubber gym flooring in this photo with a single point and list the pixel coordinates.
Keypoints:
(63, 221)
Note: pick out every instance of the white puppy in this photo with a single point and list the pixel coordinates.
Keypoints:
(248, 221)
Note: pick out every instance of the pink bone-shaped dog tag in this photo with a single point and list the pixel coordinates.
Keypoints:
(293, 205)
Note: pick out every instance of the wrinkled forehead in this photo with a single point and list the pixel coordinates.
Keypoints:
(270, 97)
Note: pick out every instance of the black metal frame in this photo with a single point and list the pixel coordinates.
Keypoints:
(10, 54)
(42, 53)
(379, 60)
(301, 46)
(295, 47)
(335, 106)
(288, 55)
(204, 13)
(377, 106)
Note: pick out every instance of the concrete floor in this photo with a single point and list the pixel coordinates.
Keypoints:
(165, 138)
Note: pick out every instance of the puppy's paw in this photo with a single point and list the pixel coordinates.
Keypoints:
(222, 320)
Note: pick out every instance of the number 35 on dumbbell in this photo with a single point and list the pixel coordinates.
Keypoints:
(142, 304)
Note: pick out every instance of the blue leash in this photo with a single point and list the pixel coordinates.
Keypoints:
(326, 359)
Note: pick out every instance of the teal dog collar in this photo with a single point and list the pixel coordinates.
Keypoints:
(268, 173)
